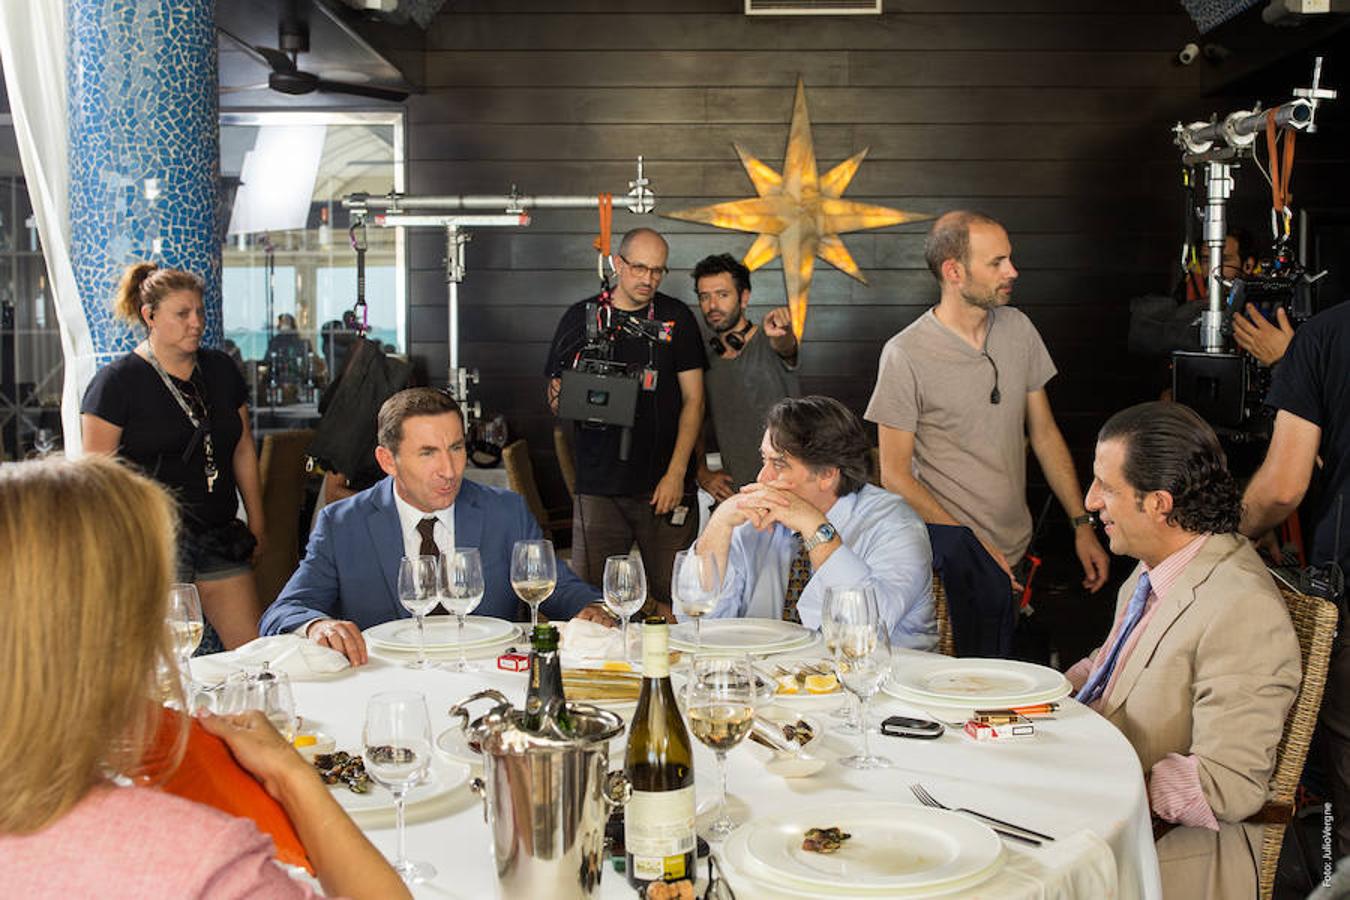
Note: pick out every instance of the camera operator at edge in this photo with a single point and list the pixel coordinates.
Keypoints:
(650, 497)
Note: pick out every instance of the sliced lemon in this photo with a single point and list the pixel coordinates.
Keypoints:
(821, 684)
(305, 740)
(787, 684)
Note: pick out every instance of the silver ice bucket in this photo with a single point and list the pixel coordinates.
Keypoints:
(546, 795)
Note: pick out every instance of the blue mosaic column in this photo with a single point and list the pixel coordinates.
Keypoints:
(144, 151)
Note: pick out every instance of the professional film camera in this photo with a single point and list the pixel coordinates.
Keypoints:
(600, 389)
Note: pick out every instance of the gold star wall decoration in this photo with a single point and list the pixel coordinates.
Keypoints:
(798, 214)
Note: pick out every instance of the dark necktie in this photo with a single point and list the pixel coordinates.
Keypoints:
(427, 529)
(799, 573)
(1096, 684)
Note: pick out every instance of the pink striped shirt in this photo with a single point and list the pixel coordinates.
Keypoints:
(1174, 787)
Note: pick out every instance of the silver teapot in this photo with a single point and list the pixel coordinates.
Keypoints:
(547, 794)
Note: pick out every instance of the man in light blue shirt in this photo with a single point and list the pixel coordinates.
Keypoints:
(812, 521)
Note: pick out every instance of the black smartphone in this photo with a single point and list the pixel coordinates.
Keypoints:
(904, 726)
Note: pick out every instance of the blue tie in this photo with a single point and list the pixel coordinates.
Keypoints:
(1094, 686)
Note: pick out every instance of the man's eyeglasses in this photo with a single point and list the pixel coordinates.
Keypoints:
(642, 271)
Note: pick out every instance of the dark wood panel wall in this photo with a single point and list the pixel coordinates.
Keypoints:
(1052, 116)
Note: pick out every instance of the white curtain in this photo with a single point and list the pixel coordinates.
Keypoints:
(33, 53)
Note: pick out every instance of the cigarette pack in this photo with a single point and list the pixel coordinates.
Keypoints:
(513, 662)
(981, 728)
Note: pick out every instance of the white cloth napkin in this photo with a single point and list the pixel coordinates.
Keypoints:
(584, 643)
(298, 657)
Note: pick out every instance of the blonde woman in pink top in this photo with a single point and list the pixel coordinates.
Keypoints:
(86, 556)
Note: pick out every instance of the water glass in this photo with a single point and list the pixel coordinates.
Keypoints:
(461, 590)
(534, 574)
(625, 590)
(397, 741)
(417, 591)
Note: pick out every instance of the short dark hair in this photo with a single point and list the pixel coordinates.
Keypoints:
(949, 238)
(407, 404)
(1246, 242)
(1168, 447)
(822, 432)
(723, 262)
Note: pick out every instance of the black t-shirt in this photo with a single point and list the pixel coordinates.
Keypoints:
(1313, 383)
(128, 393)
(656, 424)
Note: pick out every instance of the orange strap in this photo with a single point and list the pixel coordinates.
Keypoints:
(1280, 169)
(602, 241)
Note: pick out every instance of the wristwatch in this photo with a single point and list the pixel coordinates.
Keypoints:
(824, 534)
(1084, 519)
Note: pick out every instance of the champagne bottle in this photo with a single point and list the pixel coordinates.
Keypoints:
(545, 678)
(659, 835)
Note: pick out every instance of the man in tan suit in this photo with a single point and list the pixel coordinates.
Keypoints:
(1201, 665)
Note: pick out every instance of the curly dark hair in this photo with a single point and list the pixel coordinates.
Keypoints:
(821, 432)
(723, 262)
(1168, 447)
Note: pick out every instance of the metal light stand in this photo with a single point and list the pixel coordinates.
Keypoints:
(1219, 144)
(394, 213)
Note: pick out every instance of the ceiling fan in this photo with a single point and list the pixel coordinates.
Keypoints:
(287, 77)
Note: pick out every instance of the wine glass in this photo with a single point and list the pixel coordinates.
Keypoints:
(417, 591)
(461, 590)
(696, 585)
(862, 655)
(534, 574)
(721, 702)
(184, 618)
(847, 714)
(397, 740)
(625, 588)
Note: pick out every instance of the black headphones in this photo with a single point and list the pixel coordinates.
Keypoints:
(735, 340)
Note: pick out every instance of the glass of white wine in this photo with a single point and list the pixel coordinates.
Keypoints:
(461, 590)
(847, 713)
(184, 618)
(721, 710)
(625, 590)
(696, 585)
(417, 591)
(397, 741)
(534, 574)
(862, 654)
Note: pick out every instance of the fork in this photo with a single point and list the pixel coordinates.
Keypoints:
(927, 799)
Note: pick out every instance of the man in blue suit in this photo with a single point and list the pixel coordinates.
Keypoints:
(348, 579)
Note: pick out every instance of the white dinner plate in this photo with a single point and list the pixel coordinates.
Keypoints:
(759, 636)
(976, 682)
(442, 778)
(894, 848)
(442, 633)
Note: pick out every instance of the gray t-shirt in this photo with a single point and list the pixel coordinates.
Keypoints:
(968, 452)
(740, 393)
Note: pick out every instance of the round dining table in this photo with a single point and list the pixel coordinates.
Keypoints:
(1076, 779)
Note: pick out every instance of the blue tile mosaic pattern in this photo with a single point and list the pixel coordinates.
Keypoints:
(144, 151)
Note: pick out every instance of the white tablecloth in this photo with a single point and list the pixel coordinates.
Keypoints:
(1077, 779)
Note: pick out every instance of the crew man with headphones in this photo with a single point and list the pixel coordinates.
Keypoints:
(750, 368)
(958, 393)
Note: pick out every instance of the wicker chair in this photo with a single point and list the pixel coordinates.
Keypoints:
(567, 461)
(946, 644)
(1315, 624)
(520, 475)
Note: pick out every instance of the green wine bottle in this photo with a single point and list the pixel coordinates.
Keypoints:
(659, 835)
(545, 679)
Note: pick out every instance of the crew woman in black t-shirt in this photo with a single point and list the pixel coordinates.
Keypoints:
(179, 412)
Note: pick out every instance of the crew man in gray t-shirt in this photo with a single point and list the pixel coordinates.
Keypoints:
(960, 392)
(750, 368)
